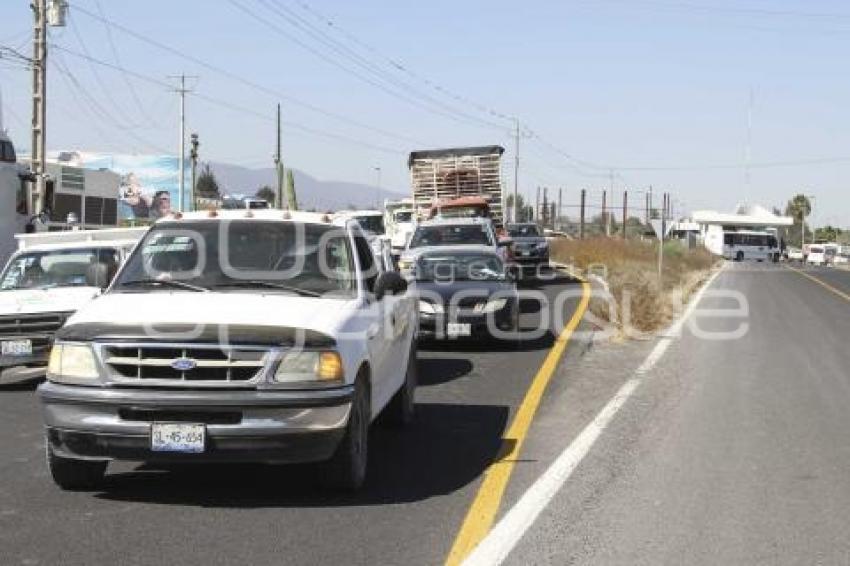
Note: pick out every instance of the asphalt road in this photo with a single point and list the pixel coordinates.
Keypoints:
(420, 483)
(730, 451)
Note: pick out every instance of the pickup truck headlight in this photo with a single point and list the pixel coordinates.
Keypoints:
(492, 305)
(427, 307)
(542, 245)
(309, 366)
(72, 363)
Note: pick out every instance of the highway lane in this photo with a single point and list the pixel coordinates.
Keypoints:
(421, 482)
(730, 451)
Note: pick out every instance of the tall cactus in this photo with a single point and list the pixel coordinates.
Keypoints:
(292, 200)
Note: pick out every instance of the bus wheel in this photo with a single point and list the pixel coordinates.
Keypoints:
(739, 256)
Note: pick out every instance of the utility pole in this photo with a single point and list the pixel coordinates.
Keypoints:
(581, 215)
(625, 211)
(605, 212)
(42, 17)
(38, 165)
(516, 169)
(558, 216)
(182, 90)
(278, 165)
(193, 155)
(537, 206)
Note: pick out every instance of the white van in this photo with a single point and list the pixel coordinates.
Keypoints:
(817, 255)
(51, 275)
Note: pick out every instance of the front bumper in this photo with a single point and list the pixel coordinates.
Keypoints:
(41, 344)
(241, 426)
(435, 326)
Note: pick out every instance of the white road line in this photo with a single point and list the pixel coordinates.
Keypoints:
(515, 523)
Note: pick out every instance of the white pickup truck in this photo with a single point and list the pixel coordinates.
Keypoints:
(51, 275)
(262, 336)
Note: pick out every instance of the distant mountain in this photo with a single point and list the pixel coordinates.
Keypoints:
(312, 193)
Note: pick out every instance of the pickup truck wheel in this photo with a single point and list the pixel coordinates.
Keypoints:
(402, 407)
(75, 474)
(346, 470)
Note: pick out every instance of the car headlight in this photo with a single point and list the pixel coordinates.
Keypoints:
(427, 307)
(492, 305)
(72, 363)
(404, 264)
(309, 366)
(542, 245)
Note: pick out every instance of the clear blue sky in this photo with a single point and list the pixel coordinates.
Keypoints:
(626, 84)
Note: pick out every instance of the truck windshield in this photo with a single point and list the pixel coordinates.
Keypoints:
(403, 216)
(450, 235)
(374, 224)
(459, 266)
(308, 259)
(55, 268)
(523, 230)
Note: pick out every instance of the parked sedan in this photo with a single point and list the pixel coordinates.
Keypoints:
(464, 291)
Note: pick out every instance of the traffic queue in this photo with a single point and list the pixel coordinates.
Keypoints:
(203, 337)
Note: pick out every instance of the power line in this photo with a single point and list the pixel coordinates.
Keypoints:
(229, 105)
(94, 106)
(326, 39)
(445, 112)
(244, 81)
(106, 91)
(135, 95)
(400, 66)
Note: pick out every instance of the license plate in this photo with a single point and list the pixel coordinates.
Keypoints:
(16, 347)
(177, 437)
(525, 253)
(458, 329)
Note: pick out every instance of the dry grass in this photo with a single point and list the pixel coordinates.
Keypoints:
(630, 268)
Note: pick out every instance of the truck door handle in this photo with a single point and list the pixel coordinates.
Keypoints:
(372, 331)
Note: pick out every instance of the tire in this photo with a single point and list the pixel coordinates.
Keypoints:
(346, 470)
(401, 409)
(739, 256)
(71, 474)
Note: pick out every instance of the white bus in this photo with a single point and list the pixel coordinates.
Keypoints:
(742, 245)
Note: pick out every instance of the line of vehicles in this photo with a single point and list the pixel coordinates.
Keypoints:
(743, 245)
(250, 334)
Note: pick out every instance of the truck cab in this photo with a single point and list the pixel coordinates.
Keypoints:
(51, 276)
(261, 336)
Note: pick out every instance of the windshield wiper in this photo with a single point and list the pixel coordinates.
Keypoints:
(254, 283)
(162, 283)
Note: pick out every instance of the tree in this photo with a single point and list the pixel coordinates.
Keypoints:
(266, 193)
(290, 190)
(207, 185)
(798, 208)
(525, 214)
(828, 233)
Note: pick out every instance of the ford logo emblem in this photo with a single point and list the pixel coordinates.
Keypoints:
(183, 364)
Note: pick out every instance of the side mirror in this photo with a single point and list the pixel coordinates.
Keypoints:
(389, 283)
(100, 274)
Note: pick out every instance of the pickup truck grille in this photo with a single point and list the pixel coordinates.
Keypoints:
(26, 324)
(184, 366)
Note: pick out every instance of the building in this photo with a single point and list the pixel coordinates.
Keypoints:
(746, 217)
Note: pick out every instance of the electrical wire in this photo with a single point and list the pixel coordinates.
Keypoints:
(127, 82)
(334, 62)
(229, 105)
(244, 81)
(340, 48)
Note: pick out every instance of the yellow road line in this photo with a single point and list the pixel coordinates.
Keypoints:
(479, 519)
(822, 283)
